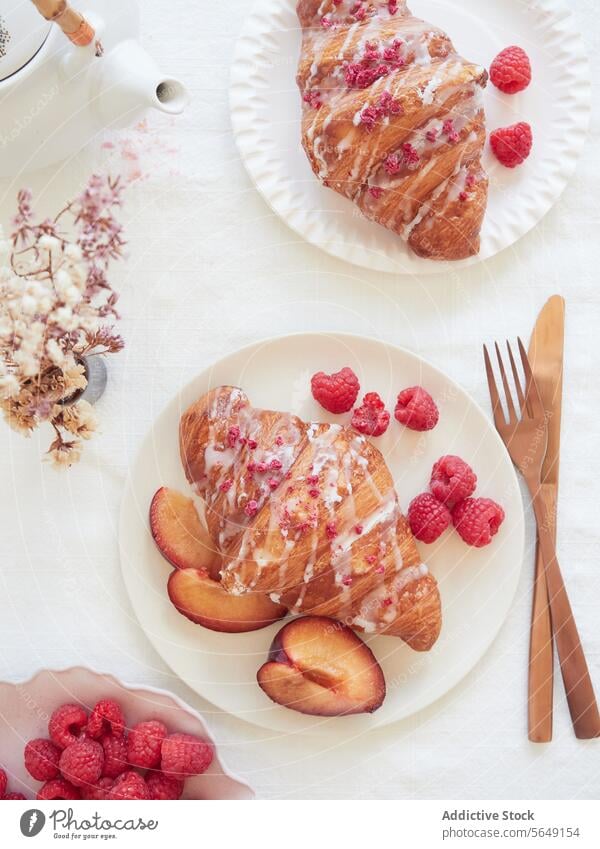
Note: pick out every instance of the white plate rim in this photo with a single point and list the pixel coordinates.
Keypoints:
(257, 152)
(519, 527)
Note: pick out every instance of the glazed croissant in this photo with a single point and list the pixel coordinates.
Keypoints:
(308, 514)
(393, 120)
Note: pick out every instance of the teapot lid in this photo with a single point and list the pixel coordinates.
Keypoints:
(22, 33)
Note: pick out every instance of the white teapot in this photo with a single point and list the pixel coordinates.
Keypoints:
(55, 95)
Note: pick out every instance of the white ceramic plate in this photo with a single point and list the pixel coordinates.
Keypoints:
(26, 707)
(477, 587)
(265, 107)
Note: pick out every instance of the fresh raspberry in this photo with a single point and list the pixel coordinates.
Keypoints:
(144, 744)
(477, 520)
(9, 796)
(81, 763)
(511, 70)
(371, 418)
(428, 518)
(129, 785)
(41, 759)
(184, 754)
(100, 790)
(115, 755)
(66, 725)
(106, 718)
(3, 782)
(512, 145)
(161, 786)
(337, 392)
(416, 409)
(452, 480)
(58, 788)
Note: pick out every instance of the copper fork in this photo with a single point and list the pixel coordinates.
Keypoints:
(525, 434)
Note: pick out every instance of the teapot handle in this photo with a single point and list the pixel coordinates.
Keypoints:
(71, 22)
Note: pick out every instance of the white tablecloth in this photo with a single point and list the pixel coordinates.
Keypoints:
(210, 269)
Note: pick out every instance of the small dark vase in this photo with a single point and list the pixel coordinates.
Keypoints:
(96, 375)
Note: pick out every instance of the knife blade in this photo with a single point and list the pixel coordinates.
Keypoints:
(546, 353)
(546, 350)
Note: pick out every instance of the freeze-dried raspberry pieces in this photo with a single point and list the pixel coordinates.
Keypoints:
(129, 785)
(184, 754)
(452, 480)
(81, 763)
(115, 755)
(41, 759)
(161, 786)
(106, 718)
(58, 788)
(144, 744)
(66, 725)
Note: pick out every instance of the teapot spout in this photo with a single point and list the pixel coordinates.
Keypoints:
(171, 96)
(129, 80)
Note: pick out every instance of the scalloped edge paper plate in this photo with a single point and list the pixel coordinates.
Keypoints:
(477, 585)
(265, 112)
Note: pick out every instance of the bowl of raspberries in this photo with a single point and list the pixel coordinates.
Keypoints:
(76, 734)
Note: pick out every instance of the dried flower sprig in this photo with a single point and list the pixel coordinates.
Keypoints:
(56, 308)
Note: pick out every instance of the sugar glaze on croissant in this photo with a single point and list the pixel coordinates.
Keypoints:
(393, 120)
(307, 513)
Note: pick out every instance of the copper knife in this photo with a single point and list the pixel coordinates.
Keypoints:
(546, 357)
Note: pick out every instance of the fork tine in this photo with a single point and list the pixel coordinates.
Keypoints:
(496, 405)
(516, 378)
(532, 394)
(512, 415)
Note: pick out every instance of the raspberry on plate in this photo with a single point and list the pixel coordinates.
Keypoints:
(144, 744)
(336, 393)
(106, 718)
(81, 763)
(3, 782)
(184, 754)
(99, 791)
(452, 480)
(511, 70)
(66, 724)
(512, 145)
(115, 755)
(41, 759)
(477, 520)
(10, 796)
(129, 785)
(371, 418)
(164, 787)
(428, 518)
(416, 409)
(58, 788)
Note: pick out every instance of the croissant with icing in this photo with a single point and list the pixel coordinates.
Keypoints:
(393, 120)
(308, 514)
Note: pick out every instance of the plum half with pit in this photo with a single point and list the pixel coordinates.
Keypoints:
(319, 666)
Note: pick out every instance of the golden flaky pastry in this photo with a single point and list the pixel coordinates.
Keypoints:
(308, 514)
(393, 120)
